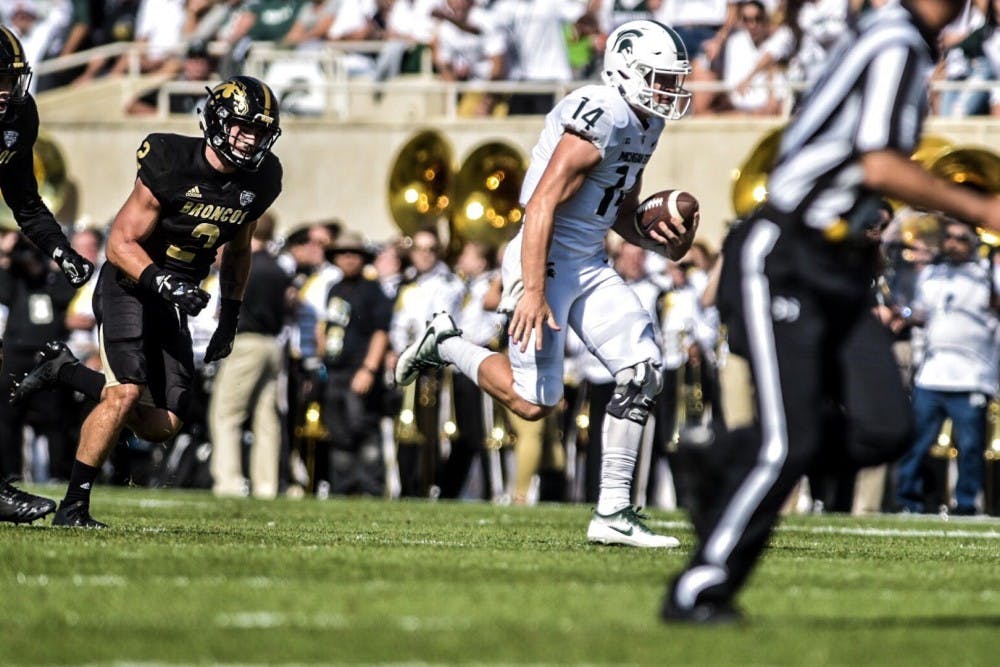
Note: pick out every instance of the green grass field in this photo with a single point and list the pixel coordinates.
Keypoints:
(183, 578)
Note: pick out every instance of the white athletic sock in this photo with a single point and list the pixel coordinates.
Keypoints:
(466, 356)
(621, 438)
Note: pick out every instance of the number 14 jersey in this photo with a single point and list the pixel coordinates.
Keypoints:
(600, 115)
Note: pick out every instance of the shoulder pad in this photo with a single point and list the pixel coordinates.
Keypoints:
(594, 113)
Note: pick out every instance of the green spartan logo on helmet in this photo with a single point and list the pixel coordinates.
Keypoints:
(624, 42)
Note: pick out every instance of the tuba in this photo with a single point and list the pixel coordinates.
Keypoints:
(311, 431)
(480, 200)
(50, 173)
(406, 430)
(419, 182)
(486, 194)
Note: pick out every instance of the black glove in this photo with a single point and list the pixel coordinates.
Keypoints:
(222, 340)
(191, 299)
(76, 269)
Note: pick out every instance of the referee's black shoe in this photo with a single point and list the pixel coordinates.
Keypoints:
(17, 506)
(702, 613)
(50, 359)
(76, 515)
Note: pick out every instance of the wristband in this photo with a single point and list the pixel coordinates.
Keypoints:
(229, 312)
(147, 279)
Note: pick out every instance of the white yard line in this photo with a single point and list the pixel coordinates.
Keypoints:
(868, 532)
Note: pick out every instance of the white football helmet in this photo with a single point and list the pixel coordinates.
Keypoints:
(647, 62)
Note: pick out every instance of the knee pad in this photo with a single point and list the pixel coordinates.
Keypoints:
(636, 388)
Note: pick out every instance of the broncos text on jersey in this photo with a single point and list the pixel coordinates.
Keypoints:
(200, 208)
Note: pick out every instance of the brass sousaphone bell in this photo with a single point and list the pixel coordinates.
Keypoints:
(50, 172)
(486, 194)
(972, 167)
(419, 182)
(749, 188)
(480, 199)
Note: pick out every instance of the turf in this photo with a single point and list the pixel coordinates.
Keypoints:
(182, 578)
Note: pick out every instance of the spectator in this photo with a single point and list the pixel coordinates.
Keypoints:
(206, 20)
(612, 13)
(808, 31)
(966, 60)
(80, 320)
(536, 46)
(158, 26)
(433, 289)
(702, 25)
(361, 20)
(353, 337)
(36, 298)
(389, 266)
(312, 23)
(246, 386)
(760, 94)
(956, 307)
(117, 24)
(42, 28)
(197, 65)
(477, 266)
(468, 48)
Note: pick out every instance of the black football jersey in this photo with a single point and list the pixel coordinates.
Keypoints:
(200, 208)
(17, 178)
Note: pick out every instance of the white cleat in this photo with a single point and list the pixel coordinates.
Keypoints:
(424, 353)
(625, 527)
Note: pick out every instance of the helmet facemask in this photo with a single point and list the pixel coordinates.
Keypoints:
(662, 92)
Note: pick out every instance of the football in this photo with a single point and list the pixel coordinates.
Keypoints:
(664, 205)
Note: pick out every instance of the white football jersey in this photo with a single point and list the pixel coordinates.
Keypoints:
(599, 114)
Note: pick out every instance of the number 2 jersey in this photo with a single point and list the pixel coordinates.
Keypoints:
(200, 208)
(626, 143)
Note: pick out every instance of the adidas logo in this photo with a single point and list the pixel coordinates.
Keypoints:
(194, 193)
(85, 486)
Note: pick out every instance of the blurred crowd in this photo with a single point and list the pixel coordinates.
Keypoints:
(306, 404)
(761, 53)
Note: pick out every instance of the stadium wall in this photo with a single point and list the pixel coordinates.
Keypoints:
(341, 169)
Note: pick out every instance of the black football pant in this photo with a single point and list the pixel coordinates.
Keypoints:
(798, 311)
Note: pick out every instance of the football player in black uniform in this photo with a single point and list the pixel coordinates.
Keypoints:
(192, 195)
(18, 131)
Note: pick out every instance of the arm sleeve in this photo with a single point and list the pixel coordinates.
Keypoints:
(893, 102)
(20, 191)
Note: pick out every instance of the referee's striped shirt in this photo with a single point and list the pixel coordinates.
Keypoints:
(872, 96)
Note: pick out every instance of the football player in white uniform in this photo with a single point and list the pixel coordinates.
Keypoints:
(584, 179)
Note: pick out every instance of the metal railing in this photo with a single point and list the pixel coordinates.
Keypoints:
(334, 94)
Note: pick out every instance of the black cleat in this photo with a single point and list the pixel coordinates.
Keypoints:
(45, 374)
(76, 515)
(17, 506)
(703, 613)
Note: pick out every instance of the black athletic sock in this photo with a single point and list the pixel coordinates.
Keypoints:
(85, 380)
(81, 481)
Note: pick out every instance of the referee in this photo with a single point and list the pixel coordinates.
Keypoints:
(794, 296)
